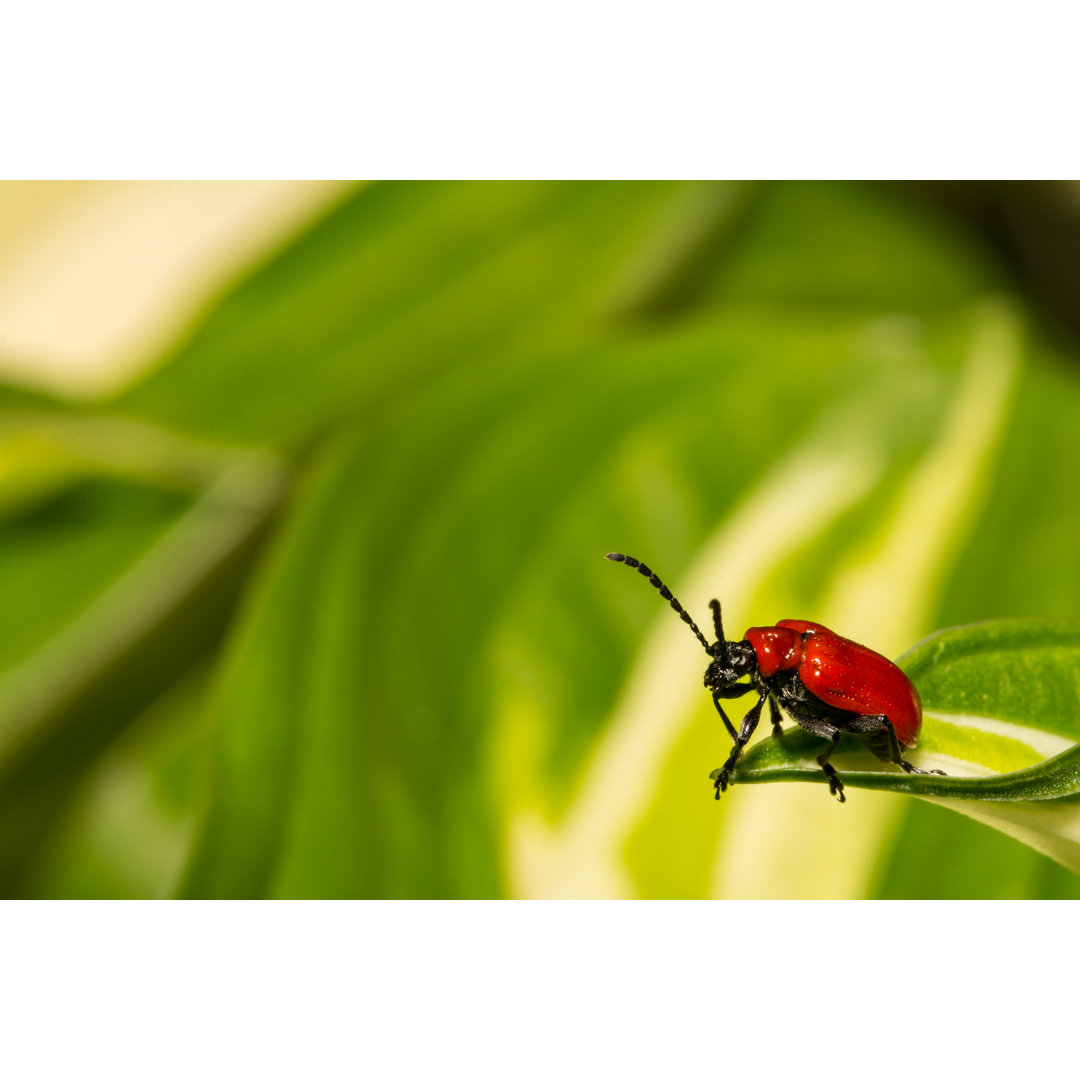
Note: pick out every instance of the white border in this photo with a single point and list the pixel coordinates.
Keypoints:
(414, 989)
(577, 88)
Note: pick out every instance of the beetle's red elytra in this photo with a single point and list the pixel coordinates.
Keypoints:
(826, 683)
(840, 672)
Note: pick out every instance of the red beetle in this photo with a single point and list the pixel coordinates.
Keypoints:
(824, 682)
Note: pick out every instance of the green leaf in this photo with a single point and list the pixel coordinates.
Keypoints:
(996, 696)
(946, 855)
(402, 283)
(512, 379)
(846, 245)
(127, 831)
(119, 589)
(124, 550)
(431, 587)
(1020, 559)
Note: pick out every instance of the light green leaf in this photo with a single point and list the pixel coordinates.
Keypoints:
(404, 282)
(1001, 702)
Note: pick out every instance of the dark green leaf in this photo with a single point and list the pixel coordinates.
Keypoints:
(148, 608)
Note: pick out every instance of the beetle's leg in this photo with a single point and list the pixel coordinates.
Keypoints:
(724, 716)
(817, 725)
(896, 755)
(738, 690)
(835, 787)
(872, 725)
(729, 692)
(722, 777)
(777, 716)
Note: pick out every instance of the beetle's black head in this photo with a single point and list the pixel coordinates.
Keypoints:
(731, 659)
(734, 660)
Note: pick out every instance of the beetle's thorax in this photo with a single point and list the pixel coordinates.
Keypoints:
(777, 649)
(780, 647)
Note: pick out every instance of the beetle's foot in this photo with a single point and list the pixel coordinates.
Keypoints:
(835, 786)
(777, 731)
(720, 778)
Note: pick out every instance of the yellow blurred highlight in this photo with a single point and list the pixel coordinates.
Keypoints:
(882, 598)
(98, 278)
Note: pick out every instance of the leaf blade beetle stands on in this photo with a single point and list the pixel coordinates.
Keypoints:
(826, 683)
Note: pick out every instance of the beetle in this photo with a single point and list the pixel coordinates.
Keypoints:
(826, 683)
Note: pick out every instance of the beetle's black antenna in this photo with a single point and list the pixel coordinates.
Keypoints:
(664, 591)
(718, 625)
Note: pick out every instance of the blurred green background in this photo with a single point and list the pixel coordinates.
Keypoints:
(304, 595)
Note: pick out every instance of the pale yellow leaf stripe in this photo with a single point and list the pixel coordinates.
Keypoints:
(786, 840)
